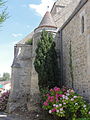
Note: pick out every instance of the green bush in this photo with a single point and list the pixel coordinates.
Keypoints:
(29, 42)
(46, 61)
(65, 103)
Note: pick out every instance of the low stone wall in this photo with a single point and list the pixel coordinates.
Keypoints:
(21, 76)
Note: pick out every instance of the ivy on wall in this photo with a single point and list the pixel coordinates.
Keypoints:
(29, 42)
(70, 64)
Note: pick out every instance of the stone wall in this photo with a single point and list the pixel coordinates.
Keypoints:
(77, 45)
(59, 6)
(34, 88)
(61, 16)
(21, 76)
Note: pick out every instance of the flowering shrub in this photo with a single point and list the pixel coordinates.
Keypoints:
(3, 100)
(65, 103)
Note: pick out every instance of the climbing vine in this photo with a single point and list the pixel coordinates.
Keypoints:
(29, 42)
(70, 64)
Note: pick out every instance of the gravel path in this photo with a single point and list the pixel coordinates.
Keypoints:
(5, 116)
(25, 116)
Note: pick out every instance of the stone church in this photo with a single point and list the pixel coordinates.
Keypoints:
(69, 21)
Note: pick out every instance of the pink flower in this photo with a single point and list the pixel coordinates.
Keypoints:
(60, 95)
(49, 98)
(52, 97)
(57, 95)
(51, 90)
(63, 90)
(45, 104)
(57, 100)
(47, 95)
(56, 89)
(54, 110)
(72, 91)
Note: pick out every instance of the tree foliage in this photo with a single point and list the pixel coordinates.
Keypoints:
(46, 61)
(5, 77)
(3, 13)
(29, 42)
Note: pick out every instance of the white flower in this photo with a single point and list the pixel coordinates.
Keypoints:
(63, 96)
(60, 105)
(57, 111)
(89, 112)
(76, 103)
(64, 103)
(84, 106)
(66, 98)
(37, 115)
(61, 109)
(67, 94)
(72, 99)
(50, 111)
(68, 91)
(54, 105)
(75, 97)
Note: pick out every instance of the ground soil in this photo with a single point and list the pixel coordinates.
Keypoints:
(19, 115)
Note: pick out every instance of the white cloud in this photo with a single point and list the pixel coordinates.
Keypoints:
(17, 35)
(28, 26)
(42, 7)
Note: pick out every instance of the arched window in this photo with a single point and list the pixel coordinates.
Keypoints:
(82, 24)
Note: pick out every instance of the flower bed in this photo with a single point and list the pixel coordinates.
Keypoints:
(3, 100)
(65, 103)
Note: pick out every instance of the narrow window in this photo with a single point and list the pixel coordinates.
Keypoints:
(82, 24)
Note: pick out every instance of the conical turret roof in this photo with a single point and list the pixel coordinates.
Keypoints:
(47, 21)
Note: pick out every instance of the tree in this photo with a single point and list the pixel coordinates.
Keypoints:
(5, 77)
(3, 13)
(45, 63)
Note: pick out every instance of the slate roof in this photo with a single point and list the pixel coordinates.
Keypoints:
(47, 21)
(63, 2)
(29, 36)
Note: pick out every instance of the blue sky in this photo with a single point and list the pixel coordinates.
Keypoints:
(25, 16)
